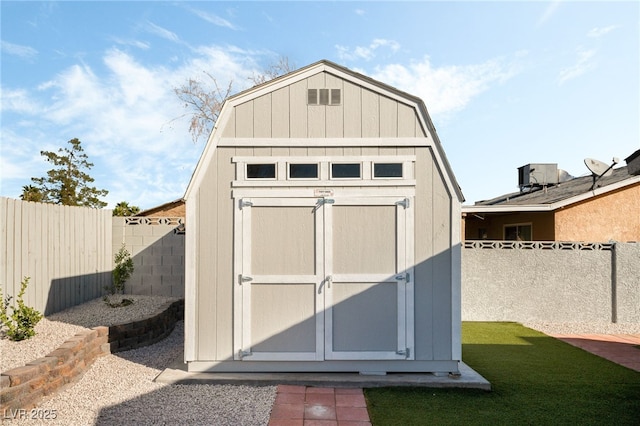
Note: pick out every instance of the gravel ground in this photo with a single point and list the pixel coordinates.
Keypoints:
(119, 388)
(53, 330)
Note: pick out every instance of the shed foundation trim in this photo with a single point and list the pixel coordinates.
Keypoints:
(395, 366)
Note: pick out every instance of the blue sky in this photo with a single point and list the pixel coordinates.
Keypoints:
(505, 83)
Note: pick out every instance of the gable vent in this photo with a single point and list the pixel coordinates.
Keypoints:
(323, 96)
(335, 96)
(312, 96)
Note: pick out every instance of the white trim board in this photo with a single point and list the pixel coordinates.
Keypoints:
(325, 142)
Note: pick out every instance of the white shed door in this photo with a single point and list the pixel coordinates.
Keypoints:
(280, 278)
(369, 302)
(324, 279)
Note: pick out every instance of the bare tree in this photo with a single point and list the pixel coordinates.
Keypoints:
(275, 70)
(204, 105)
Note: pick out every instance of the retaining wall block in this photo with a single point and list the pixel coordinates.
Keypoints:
(23, 387)
(20, 375)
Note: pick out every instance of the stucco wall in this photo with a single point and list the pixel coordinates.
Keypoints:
(551, 282)
(613, 216)
(627, 276)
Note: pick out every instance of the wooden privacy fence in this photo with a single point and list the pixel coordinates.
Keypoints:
(67, 252)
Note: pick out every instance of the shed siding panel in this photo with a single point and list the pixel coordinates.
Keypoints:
(370, 114)
(262, 116)
(224, 265)
(244, 120)
(207, 251)
(419, 131)
(298, 109)
(316, 113)
(229, 130)
(285, 113)
(335, 113)
(406, 121)
(442, 268)
(280, 113)
(352, 110)
(423, 255)
(388, 117)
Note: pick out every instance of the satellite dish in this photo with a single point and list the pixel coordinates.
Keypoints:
(598, 168)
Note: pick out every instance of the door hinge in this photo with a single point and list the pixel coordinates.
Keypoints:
(244, 279)
(406, 277)
(242, 354)
(406, 352)
(322, 201)
(244, 203)
(404, 203)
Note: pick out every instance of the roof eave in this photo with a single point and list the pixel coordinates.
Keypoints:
(505, 208)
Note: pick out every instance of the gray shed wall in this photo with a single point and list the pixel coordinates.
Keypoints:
(284, 113)
(215, 277)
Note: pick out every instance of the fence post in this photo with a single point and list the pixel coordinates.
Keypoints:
(614, 283)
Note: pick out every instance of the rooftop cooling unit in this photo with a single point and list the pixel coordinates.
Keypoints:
(538, 174)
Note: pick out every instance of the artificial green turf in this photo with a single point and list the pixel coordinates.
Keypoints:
(535, 379)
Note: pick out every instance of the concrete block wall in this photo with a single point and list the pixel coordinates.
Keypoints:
(157, 249)
(551, 282)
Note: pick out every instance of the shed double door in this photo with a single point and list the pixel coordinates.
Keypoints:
(325, 279)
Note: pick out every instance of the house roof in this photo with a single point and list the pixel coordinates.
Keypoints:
(305, 72)
(161, 207)
(552, 197)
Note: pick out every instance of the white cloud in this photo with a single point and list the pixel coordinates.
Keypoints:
(601, 31)
(17, 100)
(25, 52)
(161, 32)
(366, 52)
(584, 63)
(126, 118)
(135, 43)
(213, 19)
(360, 12)
(446, 89)
(549, 11)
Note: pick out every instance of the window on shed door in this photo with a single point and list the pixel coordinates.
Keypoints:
(261, 171)
(303, 171)
(387, 170)
(517, 232)
(345, 170)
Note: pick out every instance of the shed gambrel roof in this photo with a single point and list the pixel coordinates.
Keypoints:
(554, 197)
(348, 75)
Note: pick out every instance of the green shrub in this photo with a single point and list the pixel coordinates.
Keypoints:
(23, 319)
(122, 271)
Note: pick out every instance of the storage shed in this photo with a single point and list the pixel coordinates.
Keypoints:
(323, 233)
